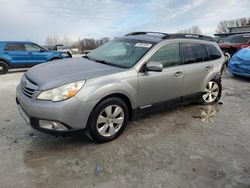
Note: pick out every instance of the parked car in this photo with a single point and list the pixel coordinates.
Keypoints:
(239, 64)
(233, 43)
(60, 48)
(119, 81)
(25, 54)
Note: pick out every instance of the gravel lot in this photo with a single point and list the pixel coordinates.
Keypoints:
(191, 146)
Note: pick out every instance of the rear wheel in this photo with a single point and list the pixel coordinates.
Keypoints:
(108, 120)
(212, 92)
(3, 67)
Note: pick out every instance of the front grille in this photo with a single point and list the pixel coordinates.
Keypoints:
(28, 87)
(27, 91)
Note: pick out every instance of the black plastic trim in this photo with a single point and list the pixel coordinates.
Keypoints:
(34, 122)
(169, 104)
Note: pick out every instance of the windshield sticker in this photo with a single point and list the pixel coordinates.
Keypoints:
(143, 45)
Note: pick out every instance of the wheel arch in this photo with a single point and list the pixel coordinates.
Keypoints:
(5, 60)
(216, 76)
(123, 97)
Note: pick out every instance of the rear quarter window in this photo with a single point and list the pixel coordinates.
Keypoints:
(213, 52)
(14, 47)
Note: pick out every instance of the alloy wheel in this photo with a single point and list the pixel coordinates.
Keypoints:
(110, 120)
(211, 92)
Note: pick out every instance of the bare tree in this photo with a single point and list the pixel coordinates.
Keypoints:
(52, 40)
(191, 30)
(66, 41)
(89, 44)
(223, 26)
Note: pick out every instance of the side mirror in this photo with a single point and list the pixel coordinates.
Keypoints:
(154, 66)
(42, 50)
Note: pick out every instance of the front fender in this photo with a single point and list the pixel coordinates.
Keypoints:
(97, 89)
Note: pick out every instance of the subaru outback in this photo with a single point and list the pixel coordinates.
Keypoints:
(129, 76)
(25, 54)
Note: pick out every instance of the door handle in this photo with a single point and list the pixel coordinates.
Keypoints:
(209, 68)
(30, 53)
(6, 52)
(178, 74)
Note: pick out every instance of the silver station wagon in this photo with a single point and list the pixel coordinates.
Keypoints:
(135, 74)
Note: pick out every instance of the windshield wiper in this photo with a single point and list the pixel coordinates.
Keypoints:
(96, 60)
(85, 56)
(104, 62)
(111, 64)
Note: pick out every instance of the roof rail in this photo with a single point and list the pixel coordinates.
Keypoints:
(174, 36)
(190, 36)
(145, 33)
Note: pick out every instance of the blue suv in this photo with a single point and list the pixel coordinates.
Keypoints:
(25, 54)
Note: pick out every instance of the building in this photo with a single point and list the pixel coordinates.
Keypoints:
(234, 30)
(241, 29)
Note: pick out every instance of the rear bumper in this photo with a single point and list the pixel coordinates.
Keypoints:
(73, 114)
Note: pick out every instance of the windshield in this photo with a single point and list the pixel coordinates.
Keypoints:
(241, 39)
(120, 52)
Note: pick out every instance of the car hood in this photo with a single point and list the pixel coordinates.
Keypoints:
(60, 72)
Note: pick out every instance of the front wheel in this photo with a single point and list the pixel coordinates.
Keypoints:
(212, 92)
(3, 67)
(108, 120)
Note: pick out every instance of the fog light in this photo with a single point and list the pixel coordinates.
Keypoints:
(51, 125)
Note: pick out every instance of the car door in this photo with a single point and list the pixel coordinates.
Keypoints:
(17, 53)
(36, 53)
(157, 87)
(196, 67)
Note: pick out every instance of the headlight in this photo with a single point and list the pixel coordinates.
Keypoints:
(64, 54)
(61, 93)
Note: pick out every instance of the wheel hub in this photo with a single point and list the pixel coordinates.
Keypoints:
(211, 92)
(110, 120)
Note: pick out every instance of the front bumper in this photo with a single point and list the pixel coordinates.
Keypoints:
(73, 114)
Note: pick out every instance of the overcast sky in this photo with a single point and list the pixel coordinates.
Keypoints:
(34, 20)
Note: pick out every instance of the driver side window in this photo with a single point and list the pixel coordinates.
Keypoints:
(32, 47)
(167, 55)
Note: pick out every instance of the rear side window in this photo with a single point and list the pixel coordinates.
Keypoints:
(14, 47)
(168, 55)
(193, 52)
(213, 52)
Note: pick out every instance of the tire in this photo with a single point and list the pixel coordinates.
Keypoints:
(70, 54)
(108, 120)
(4, 67)
(212, 92)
